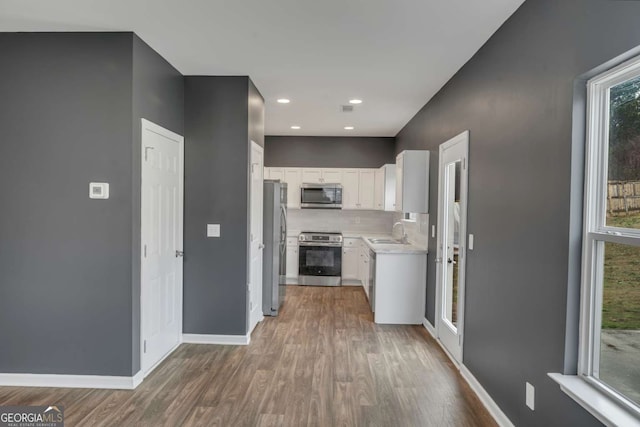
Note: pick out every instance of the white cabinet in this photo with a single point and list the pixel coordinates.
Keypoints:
(358, 189)
(385, 184)
(321, 176)
(292, 262)
(379, 189)
(362, 188)
(399, 288)
(365, 269)
(311, 176)
(350, 188)
(412, 181)
(367, 189)
(332, 176)
(293, 178)
(274, 173)
(350, 256)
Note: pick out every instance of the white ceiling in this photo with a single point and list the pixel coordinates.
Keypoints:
(393, 54)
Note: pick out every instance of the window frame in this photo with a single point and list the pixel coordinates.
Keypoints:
(595, 231)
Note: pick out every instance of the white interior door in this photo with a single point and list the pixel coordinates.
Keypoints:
(451, 255)
(161, 241)
(256, 243)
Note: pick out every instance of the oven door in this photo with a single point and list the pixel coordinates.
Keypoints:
(320, 265)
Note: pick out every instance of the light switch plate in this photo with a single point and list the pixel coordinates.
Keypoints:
(433, 231)
(470, 244)
(213, 230)
(98, 190)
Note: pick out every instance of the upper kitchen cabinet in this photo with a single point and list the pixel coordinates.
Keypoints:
(385, 188)
(293, 178)
(358, 189)
(274, 173)
(321, 176)
(311, 176)
(332, 176)
(412, 181)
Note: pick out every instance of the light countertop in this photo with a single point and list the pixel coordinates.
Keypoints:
(381, 248)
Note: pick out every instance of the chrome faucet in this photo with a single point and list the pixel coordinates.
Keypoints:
(404, 238)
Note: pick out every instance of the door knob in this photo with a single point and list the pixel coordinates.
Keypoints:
(260, 246)
(450, 261)
(179, 254)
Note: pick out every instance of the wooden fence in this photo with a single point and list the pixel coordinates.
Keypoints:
(623, 196)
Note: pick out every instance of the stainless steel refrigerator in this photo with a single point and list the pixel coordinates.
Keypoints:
(274, 267)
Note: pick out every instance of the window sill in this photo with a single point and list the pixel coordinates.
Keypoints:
(601, 406)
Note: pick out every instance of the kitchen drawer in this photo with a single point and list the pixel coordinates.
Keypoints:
(292, 241)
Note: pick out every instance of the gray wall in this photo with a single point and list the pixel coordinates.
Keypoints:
(328, 152)
(69, 266)
(158, 96)
(65, 260)
(516, 98)
(216, 191)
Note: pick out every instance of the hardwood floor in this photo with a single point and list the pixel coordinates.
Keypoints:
(322, 362)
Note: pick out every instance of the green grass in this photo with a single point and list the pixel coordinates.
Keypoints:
(621, 297)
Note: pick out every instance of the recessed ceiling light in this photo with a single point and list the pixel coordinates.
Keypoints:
(295, 127)
(348, 128)
(283, 101)
(355, 101)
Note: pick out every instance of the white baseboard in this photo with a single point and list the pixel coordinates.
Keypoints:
(71, 381)
(216, 339)
(501, 419)
(485, 398)
(137, 379)
(429, 327)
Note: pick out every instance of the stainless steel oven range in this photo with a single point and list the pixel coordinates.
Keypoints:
(320, 259)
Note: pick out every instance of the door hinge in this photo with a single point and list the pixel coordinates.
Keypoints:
(460, 339)
(145, 346)
(464, 163)
(145, 251)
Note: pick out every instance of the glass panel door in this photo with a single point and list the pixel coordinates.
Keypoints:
(452, 225)
(451, 243)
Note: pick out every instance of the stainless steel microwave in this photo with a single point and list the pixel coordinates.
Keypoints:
(321, 196)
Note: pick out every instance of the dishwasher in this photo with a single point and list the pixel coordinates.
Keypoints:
(372, 280)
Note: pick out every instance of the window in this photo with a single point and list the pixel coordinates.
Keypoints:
(610, 316)
(411, 217)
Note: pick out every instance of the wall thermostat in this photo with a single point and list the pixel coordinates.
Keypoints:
(98, 190)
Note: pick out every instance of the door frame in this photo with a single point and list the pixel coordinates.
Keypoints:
(462, 138)
(147, 125)
(260, 318)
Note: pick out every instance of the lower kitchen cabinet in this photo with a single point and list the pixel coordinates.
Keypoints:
(350, 257)
(292, 263)
(400, 288)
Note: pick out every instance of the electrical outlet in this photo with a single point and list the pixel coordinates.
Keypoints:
(530, 396)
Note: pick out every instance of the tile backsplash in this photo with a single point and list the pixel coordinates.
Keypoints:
(377, 222)
(417, 231)
(340, 220)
